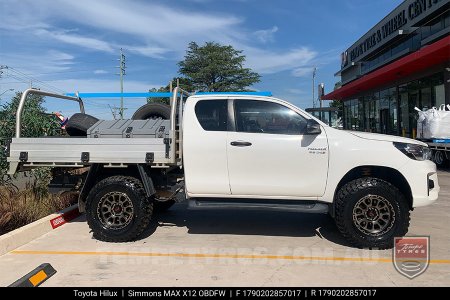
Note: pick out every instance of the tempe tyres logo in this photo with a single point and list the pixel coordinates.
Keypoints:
(411, 255)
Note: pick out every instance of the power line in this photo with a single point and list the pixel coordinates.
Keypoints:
(18, 75)
(115, 111)
(34, 79)
(18, 78)
(13, 82)
(95, 104)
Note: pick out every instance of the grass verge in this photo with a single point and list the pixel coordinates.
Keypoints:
(21, 207)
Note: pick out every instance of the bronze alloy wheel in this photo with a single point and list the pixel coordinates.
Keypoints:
(115, 210)
(373, 215)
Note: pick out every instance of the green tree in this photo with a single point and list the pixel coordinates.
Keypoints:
(164, 100)
(216, 68)
(184, 83)
(35, 123)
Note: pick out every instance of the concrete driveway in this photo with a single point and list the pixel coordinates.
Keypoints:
(232, 248)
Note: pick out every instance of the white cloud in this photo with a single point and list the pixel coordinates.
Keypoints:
(159, 31)
(155, 52)
(303, 72)
(75, 39)
(19, 15)
(55, 55)
(100, 72)
(267, 62)
(96, 85)
(155, 25)
(266, 36)
(39, 62)
(157, 28)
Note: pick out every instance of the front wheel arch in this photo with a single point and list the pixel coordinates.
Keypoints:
(387, 174)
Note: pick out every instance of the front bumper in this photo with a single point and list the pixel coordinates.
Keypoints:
(423, 181)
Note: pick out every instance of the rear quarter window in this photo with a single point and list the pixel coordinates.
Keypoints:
(212, 114)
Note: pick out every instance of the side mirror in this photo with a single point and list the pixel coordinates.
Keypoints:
(312, 127)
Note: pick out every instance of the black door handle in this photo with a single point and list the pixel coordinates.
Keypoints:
(241, 144)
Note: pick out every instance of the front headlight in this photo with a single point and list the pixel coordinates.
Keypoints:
(414, 151)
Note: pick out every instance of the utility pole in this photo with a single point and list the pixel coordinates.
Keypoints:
(314, 86)
(114, 110)
(121, 74)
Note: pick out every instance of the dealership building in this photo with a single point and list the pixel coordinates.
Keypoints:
(401, 63)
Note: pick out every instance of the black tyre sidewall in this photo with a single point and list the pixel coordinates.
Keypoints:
(152, 109)
(399, 205)
(92, 206)
(444, 159)
(79, 124)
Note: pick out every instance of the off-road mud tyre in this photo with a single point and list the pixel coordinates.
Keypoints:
(371, 200)
(130, 210)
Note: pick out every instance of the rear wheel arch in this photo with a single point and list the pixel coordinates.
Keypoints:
(98, 172)
(118, 209)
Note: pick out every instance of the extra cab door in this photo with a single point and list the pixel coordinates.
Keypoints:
(205, 147)
(269, 154)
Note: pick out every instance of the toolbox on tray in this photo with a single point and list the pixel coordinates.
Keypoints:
(130, 129)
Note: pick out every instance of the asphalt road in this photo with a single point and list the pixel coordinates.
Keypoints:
(232, 248)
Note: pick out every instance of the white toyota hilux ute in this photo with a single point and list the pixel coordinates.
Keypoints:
(235, 151)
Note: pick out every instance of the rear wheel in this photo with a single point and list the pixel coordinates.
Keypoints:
(117, 209)
(370, 212)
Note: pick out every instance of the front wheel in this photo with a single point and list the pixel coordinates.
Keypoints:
(370, 212)
(117, 209)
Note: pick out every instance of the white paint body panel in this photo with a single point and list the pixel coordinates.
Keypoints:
(280, 167)
(348, 151)
(204, 157)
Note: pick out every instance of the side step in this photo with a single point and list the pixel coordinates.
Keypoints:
(258, 204)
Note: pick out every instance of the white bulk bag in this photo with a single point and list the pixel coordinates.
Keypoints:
(434, 123)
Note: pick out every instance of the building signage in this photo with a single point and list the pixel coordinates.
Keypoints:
(409, 12)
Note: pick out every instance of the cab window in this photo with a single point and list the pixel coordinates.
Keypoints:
(212, 114)
(267, 117)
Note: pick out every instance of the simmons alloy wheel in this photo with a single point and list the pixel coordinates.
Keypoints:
(115, 210)
(373, 215)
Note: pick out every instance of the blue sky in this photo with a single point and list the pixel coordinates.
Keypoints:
(73, 45)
